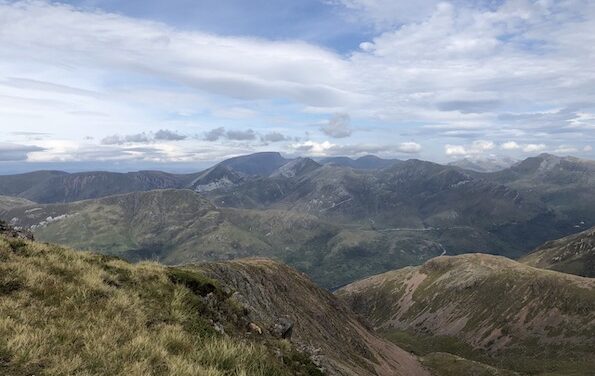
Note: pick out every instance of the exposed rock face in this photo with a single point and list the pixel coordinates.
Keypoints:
(293, 307)
(296, 167)
(218, 177)
(7, 230)
(283, 328)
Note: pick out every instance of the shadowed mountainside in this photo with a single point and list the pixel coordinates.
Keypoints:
(566, 184)
(574, 254)
(180, 226)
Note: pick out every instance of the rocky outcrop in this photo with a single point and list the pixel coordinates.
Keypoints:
(288, 305)
(8, 230)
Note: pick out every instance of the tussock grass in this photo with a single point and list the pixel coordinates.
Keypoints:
(74, 313)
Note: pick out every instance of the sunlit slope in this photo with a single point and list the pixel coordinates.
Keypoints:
(492, 305)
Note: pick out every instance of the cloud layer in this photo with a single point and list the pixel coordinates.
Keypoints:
(438, 79)
(16, 152)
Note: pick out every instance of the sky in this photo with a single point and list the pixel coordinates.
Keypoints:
(178, 85)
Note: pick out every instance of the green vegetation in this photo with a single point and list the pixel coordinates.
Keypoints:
(64, 312)
(7, 202)
(335, 223)
(443, 364)
(574, 254)
(487, 309)
(181, 226)
(422, 345)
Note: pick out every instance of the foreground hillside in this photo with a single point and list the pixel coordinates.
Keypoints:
(573, 254)
(64, 312)
(487, 308)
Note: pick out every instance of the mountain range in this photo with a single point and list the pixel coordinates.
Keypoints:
(336, 223)
(248, 250)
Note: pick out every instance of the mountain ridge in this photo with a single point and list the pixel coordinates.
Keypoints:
(573, 254)
(503, 311)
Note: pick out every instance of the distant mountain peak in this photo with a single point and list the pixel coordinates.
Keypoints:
(367, 162)
(296, 167)
(217, 177)
(257, 164)
(489, 164)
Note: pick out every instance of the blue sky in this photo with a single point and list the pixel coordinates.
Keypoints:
(180, 84)
(314, 21)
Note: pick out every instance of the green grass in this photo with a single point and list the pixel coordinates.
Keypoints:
(443, 364)
(526, 358)
(422, 345)
(64, 313)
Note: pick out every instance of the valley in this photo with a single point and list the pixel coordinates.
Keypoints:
(248, 252)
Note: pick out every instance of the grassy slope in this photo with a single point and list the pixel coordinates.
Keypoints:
(64, 312)
(573, 254)
(445, 364)
(8, 202)
(487, 308)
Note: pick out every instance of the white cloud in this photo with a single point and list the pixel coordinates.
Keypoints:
(215, 134)
(237, 67)
(510, 145)
(455, 150)
(482, 145)
(338, 126)
(126, 139)
(475, 148)
(565, 149)
(409, 147)
(588, 148)
(453, 65)
(533, 148)
(313, 147)
(16, 152)
(326, 148)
